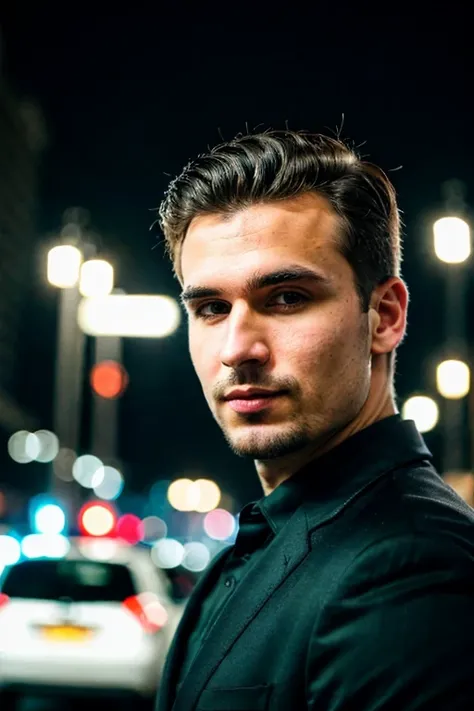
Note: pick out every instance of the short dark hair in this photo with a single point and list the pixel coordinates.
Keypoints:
(278, 165)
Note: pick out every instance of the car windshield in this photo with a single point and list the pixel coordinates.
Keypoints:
(77, 580)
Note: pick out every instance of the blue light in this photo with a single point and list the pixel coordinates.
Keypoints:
(47, 516)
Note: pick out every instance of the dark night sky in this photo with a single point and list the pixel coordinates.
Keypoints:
(130, 98)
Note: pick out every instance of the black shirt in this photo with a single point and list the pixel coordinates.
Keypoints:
(259, 523)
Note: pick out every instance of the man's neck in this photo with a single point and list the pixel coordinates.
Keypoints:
(273, 472)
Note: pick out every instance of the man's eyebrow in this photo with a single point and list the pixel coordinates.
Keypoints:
(258, 281)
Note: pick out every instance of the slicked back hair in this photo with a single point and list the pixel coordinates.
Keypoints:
(278, 165)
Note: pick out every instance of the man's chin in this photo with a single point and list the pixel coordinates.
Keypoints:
(264, 446)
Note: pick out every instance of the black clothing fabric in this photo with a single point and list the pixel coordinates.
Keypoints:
(360, 598)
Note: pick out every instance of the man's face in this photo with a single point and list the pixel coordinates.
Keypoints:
(303, 339)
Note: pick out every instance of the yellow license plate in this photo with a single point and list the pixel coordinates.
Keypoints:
(66, 633)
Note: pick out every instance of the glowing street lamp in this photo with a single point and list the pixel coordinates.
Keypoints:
(64, 265)
(453, 379)
(96, 278)
(63, 271)
(129, 315)
(423, 410)
(452, 240)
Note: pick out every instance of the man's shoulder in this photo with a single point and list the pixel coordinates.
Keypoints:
(410, 510)
(413, 503)
(419, 498)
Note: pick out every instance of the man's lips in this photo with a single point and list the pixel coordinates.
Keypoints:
(251, 393)
(253, 402)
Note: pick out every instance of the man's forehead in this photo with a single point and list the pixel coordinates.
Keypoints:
(261, 236)
(284, 216)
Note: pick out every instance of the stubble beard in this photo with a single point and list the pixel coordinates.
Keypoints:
(266, 442)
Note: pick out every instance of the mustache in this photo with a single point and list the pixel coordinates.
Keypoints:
(236, 380)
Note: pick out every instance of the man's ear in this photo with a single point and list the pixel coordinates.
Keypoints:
(388, 315)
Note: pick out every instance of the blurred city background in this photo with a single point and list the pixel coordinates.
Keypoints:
(104, 433)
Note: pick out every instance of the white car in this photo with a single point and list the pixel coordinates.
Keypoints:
(99, 620)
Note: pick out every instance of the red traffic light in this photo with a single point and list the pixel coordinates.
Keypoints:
(109, 379)
(97, 519)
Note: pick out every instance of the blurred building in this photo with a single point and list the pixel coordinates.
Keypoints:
(21, 143)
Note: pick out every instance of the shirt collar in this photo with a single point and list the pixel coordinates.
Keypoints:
(330, 480)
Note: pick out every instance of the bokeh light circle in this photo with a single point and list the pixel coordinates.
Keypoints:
(422, 410)
(97, 519)
(209, 495)
(109, 379)
(63, 464)
(23, 447)
(196, 557)
(88, 471)
(111, 485)
(219, 524)
(167, 553)
(130, 529)
(50, 519)
(48, 446)
(182, 494)
(154, 528)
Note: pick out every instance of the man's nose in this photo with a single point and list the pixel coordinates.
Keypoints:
(245, 339)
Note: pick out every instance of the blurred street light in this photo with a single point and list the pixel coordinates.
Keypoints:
(108, 379)
(452, 245)
(129, 528)
(41, 446)
(88, 471)
(97, 519)
(181, 495)
(219, 524)
(132, 315)
(168, 553)
(109, 319)
(64, 264)
(196, 556)
(24, 447)
(154, 528)
(423, 410)
(202, 495)
(452, 240)
(63, 463)
(453, 379)
(96, 278)
(49, 519)
(111, 485)
(48, 446)
(208, 495)
(63, 271)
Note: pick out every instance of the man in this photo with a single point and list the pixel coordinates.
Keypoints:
(350, 584)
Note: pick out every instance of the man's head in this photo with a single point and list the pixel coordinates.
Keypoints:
(288, 249)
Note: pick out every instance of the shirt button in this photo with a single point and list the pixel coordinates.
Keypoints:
(228, 582)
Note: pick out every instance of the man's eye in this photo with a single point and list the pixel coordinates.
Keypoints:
(285, 301)
(212, 308)
(289, 299)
